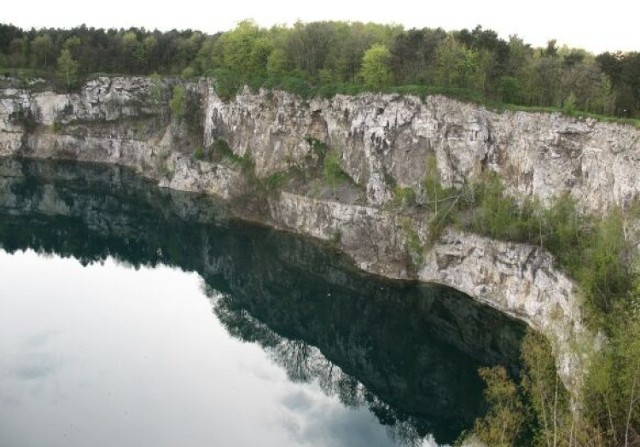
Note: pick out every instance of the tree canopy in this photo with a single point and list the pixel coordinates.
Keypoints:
(332, 56)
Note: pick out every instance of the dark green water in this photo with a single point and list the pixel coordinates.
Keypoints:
(334, 356)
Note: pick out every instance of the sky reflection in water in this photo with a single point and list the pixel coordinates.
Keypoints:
(106, 355)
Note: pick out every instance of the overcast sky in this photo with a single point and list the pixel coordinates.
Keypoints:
(609, 26)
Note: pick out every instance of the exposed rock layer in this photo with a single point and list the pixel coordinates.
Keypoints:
(380, 141)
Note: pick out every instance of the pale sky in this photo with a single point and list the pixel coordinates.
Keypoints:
(595, 26)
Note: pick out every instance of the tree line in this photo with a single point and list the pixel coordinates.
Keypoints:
(329, 57)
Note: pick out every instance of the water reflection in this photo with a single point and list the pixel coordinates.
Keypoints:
(408, 353)
(130, 365)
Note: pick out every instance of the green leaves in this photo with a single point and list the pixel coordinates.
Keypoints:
(333, 173)
(178, 102)
(504, 419)
(612, 393)
(67, 68)
(375, 67)
(245, 49)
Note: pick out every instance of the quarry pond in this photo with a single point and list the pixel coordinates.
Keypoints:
(134, 315)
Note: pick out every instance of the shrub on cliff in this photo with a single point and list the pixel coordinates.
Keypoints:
(178, 102)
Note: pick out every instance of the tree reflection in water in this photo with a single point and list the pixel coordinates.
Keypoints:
(305, 363)
(408, 352)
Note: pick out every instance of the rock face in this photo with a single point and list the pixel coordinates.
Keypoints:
(123, 121)
(380, 142)
(517, 279)
(384, 140)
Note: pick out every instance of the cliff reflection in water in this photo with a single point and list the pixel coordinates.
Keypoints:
(408, 352)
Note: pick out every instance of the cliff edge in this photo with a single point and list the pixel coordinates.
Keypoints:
(378, 143)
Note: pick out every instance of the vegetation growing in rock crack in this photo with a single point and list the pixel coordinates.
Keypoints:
(178, 101)
(221, 151)
(414, 245)
(333, 173)
(404, 197)
(594, 251)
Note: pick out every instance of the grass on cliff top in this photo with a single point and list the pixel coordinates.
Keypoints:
(227, 85)
(504, 107)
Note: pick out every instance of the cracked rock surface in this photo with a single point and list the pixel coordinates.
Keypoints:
(381, 142)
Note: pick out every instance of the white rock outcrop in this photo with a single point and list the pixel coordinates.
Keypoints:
(381, 141)
(382, 137)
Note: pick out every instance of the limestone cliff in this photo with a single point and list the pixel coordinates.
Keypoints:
(384, 139)
(379, 141)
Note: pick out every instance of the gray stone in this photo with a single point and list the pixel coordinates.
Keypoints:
(381, 141)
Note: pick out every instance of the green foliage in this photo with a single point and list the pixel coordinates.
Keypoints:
(156, 89)
(188, 73)
(562, 226)
(499, 216)
(459, 66)
(318, 147)
(443, 203)
(221, 146)
(277, 63)
(42, 49)
(414, 245)
(503, 422)
(225, 82)
(133, 50)
(612, 392)
(276, 181)
(157, 95)
(549, 401)
(375, 70)
(327, 58)
(598, 256)
(222, 150)
(593, 251)
(432, 185)
(510, 90)
(245, 49)
(198, 153)
(569, 106)
(67, 69)
(333, 173)
(535, 412)
(178, 102)
(404, 196)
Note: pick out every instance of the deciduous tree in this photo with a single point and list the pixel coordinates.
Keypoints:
(67, 68)
(375, 67)
(42, 50)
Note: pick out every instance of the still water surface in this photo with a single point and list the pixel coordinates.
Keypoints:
(131, 316)
(107, 355)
